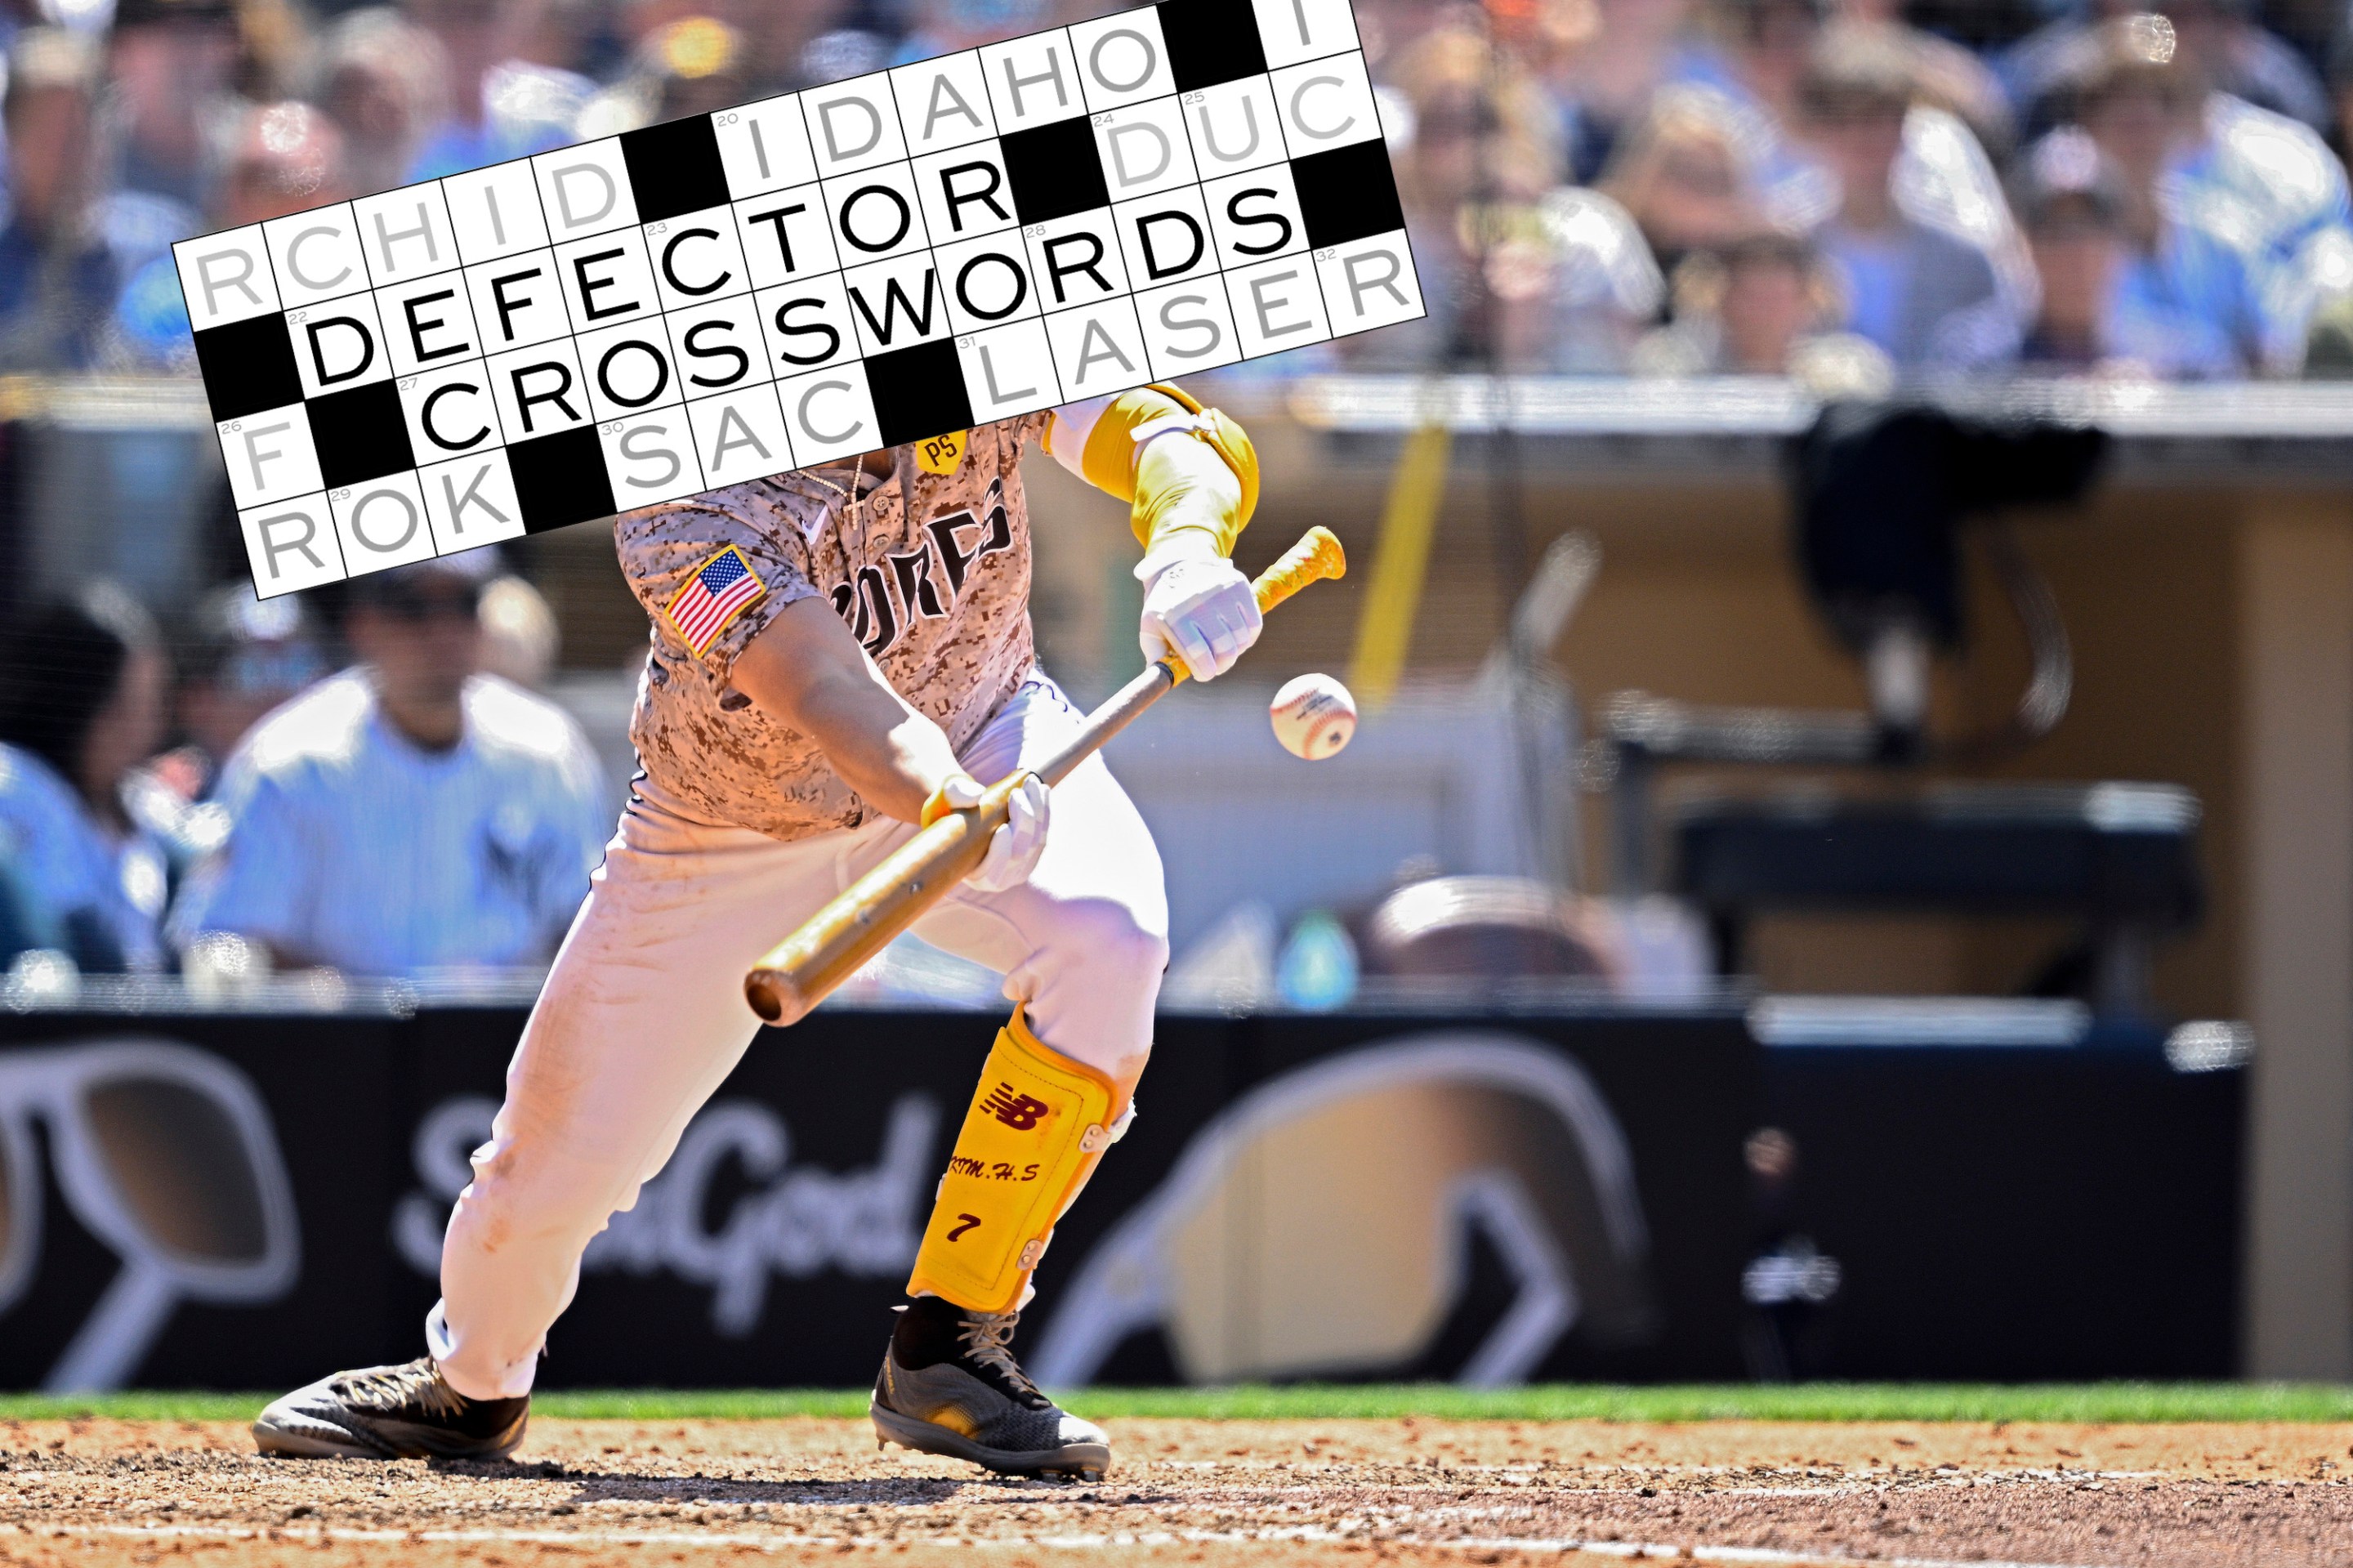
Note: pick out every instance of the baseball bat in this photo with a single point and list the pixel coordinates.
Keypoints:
(803, 968)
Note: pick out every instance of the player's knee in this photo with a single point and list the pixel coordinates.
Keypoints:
(516, 1195)
(1120, 951)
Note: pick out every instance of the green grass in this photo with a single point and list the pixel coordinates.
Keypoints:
(2107, 1402)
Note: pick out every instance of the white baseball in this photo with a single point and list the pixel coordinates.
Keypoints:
(1313, 717)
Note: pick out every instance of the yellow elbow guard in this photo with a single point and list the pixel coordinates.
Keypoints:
(1038, 1125)
(1110, 462)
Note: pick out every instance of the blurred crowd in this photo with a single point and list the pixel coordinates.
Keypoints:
(364, 782)
(1865, 188)
(1848, 191)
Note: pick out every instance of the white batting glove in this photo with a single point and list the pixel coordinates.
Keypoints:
(1199, 607)
(1014, 848)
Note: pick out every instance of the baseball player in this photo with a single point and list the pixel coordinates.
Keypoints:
(838, 655)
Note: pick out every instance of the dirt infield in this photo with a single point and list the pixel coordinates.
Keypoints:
(1262, 1494)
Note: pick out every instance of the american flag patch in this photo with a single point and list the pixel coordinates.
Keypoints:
(716, 594)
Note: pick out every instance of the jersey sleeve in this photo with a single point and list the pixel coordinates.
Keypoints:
(259, 882)
(705, 605)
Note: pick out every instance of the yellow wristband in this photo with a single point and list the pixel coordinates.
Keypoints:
(937, 806)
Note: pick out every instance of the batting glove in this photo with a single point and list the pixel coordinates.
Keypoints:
(1201, 609)
(1014, 848)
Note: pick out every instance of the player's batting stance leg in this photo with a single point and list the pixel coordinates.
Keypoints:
(779, 766)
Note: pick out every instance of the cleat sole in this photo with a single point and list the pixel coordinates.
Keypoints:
(1071, 1460)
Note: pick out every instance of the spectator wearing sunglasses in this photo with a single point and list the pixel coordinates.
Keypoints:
(245, 657)
(83, 686)
(412, 815)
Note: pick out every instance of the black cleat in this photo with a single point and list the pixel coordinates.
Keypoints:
(950, 1386)
(391, 1413)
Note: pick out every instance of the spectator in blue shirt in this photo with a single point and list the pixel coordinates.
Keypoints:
(83, 685)
(412, 814)
(2187, 304)
(1925, 298)
(58, 277)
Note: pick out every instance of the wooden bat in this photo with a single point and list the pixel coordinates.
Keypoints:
(801, 970)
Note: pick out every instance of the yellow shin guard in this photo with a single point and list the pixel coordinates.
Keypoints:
(1038, 1125)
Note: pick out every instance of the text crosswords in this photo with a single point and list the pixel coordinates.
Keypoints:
(878, 261)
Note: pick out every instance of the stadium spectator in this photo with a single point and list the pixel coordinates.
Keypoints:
(502, 102)
(1517, 272)
(1943, 72)
(57, 274)
(2188, 301)
(411, 814)
(1685, 176)
(2237, 55)
(386, 85)
(1604, 85)
(245, 658)
(1528, 275)
(83, 684)
(284, 158)
(2071, 202)
(1926, 298)
(1759, 306)
(1763, 48)
(248, 656)
(2269, 187)
(171, 65)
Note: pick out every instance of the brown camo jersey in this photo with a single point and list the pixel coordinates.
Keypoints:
(931, 573)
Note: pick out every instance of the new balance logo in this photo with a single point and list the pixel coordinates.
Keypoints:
(1018, 1112)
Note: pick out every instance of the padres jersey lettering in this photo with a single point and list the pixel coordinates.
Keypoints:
(929, 571)
(877, 606)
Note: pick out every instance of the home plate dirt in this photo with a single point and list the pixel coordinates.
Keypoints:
(1261, 1494)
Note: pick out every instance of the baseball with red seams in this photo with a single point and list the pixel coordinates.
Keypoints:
(1313, 717)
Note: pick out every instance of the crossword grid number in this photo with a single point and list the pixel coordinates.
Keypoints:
(704, 302)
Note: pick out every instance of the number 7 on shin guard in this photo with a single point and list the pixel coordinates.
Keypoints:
(1039, 1123)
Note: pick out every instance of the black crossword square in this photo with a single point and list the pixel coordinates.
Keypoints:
(1347, 194)
(561, 479)
(918, 392)
(674, 168)
(360, 434)
(1211, 41)
(1054, 171)
(248, 366)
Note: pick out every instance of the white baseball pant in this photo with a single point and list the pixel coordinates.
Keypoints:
(643, 1015)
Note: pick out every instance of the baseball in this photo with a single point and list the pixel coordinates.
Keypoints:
(1313, 717)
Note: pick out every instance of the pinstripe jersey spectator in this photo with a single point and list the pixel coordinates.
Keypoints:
(411, 814)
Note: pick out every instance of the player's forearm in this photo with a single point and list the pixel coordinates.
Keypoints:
(893, 757)
(805, 671)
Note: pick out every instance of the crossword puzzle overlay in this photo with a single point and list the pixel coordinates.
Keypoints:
(884, 260)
